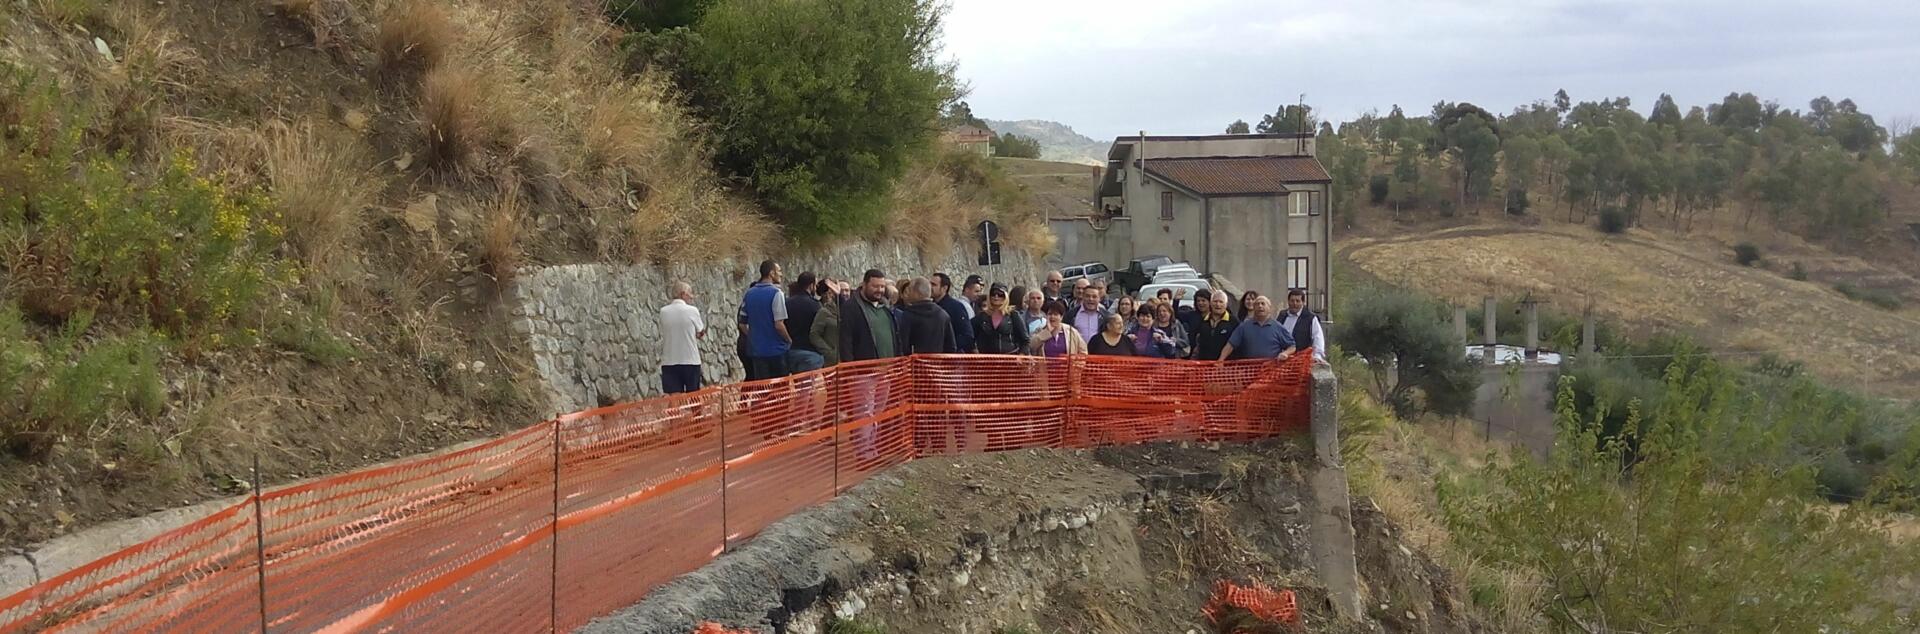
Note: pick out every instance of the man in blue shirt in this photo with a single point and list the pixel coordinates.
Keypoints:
(765, 307)
(1260, 336)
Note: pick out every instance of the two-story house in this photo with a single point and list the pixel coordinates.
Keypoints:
(1249, 207)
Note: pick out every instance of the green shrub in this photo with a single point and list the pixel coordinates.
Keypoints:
(1840, 479)
(59, 388)
(1798, 273)
(1015, 146)
(1613, 221)
(1397, 328)
(312, 341)
(1378, 186)
(1687, 516)
(1746, 253)
(818, 104)
(1875, 297)
(656, 15)
(837, 625)
(81, 231)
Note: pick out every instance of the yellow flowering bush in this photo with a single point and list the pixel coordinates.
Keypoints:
(91, 231)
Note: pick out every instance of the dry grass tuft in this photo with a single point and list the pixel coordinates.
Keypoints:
(927, 212)
(414, 37)
(631, 127)
(149, 64)
(696, 222)
(321, 184)
(500, 234)
(87, 14)
(450, 111)
(1029, 234)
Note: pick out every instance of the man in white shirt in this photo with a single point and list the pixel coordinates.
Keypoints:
(1307, 333)
(681, 328)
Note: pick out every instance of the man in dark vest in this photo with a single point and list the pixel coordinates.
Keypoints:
(1304, 325)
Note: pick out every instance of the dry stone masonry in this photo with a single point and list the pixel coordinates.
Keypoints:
(594, 328)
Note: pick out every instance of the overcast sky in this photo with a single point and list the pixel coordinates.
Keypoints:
(1113, 67)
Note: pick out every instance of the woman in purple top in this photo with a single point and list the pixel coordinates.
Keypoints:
(1149, 340)
(1056, 338)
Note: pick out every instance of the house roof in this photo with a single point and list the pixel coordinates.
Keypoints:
(969, 133)
(1238, 175)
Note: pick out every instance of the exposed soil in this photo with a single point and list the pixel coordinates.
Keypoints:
(1410, 591)
(1209, 512)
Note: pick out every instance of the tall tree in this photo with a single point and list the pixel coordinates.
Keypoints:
(1665, 111)
(818, 104)
(1561, 102)
(1238, 127)
(1288, 119)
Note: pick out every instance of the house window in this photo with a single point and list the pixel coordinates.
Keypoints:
(1317, 203)
(1297, 274)
(1166, 205)
(1297, 203)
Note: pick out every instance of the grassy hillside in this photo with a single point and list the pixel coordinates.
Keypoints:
(1650, 282)
(283, 228)
(1058, 189)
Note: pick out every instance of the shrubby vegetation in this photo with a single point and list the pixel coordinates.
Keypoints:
(1686, 512)
(1398, 329)
(1015, 146)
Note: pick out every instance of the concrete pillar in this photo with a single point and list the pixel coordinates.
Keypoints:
(1533, 330)
(1490, 337)
(1587, 343)
(1460, 325)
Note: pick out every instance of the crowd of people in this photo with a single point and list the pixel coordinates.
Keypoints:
(815, 322)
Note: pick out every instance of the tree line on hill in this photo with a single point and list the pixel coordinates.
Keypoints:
(1823, 172)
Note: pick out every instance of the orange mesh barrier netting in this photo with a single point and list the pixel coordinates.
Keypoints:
(1261, 602)
(557, 523)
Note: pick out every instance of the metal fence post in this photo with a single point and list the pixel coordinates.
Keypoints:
(553, 549)
(259, 538)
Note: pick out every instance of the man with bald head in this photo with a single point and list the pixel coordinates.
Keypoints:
(681, 328)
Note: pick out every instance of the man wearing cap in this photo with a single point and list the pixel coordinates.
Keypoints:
(975, 293)
(996, 330)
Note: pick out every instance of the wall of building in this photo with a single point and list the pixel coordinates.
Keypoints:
(1250, 240)
(1080, 240)
(1178, 238)
(594, 328)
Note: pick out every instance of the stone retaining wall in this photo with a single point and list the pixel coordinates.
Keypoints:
(594, 328)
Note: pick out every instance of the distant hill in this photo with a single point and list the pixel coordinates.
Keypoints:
(1058, 142)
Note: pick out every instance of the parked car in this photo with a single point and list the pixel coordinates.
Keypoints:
(1089, 270)
(1176, 272)
(1140, 271)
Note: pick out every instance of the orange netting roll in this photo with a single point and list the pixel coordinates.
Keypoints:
(711, 627)
(1264, 603)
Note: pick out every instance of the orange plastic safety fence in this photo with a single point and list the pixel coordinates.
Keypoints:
(555, 524)
(1264, 603)
(716, 628)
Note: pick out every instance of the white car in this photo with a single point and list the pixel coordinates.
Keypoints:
(1176, 273)
(1183, 291)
